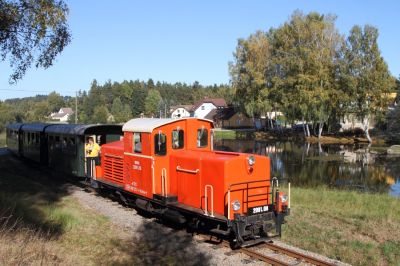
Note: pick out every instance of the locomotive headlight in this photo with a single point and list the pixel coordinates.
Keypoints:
(284, 198)
(235, 205)
(251, 160)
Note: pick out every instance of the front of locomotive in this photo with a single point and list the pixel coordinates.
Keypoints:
(254, 205)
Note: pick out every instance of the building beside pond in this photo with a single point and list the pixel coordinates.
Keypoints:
(202, 108)
(231, 118)
(180, 111)
(62, 115)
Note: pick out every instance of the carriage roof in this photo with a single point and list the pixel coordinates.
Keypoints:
(78, 129)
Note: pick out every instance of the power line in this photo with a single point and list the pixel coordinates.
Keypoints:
(23, 90)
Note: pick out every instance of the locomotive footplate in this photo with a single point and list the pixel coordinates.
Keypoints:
(253, 229)
(165, 199)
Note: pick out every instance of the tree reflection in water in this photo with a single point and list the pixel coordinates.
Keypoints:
(355, 167)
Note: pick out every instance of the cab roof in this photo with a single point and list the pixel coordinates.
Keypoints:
(147, 125)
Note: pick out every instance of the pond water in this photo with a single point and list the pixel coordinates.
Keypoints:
(352, 167)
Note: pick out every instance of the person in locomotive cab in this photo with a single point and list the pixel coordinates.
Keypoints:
(92, 151)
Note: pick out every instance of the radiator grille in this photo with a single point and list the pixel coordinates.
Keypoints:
(114, 168)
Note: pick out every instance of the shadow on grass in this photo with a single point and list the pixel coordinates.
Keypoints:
(27, 195)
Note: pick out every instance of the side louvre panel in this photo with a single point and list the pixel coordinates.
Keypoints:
(114, 168)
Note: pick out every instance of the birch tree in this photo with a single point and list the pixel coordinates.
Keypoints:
(304, 52)
(365, 76)
(249, 74)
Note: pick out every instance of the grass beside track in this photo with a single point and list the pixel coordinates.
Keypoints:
(41, 224)
(361, 229)
(2, 139)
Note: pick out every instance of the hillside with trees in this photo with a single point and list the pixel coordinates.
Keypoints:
(112, 102)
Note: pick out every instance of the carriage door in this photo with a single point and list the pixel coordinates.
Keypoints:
(161, 167)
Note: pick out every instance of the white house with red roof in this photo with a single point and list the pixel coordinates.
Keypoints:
(202, 108)
(63, 115)
(179, 111)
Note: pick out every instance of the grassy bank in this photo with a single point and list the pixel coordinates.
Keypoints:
(361, 229)
(3, 139)
(43, 223)
(340, 138)
(40, 223)
(224, 134)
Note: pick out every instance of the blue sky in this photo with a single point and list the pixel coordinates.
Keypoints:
(181, 40)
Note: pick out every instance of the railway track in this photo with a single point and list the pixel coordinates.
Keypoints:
(272, 254)
(297, 255)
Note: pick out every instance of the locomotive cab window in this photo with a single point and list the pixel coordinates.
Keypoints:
(160, 144)
(177, 139)
(137, 142)
(202, 138)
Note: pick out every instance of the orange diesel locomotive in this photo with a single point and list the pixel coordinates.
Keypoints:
(167, 167)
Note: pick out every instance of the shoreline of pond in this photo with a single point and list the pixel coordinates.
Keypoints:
(288, 135)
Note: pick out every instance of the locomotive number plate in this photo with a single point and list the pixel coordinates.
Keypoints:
(257, 210)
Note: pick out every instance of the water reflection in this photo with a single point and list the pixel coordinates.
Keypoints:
(355, 167)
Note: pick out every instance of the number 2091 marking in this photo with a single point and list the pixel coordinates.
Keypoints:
(260, 209)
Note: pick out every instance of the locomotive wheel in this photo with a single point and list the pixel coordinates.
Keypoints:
(234, 244)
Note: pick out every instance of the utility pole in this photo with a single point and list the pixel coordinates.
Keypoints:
(76, 107)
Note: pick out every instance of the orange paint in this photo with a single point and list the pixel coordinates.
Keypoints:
(191, 173)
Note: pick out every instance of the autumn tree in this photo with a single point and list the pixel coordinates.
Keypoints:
(249, 74)
(305, 51)
(291, 68)
(365, 76)
(32, 32)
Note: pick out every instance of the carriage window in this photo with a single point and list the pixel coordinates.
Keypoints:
(160, 144)
(57, 143)
(64, 143)
(51, 142)
(137, 140)
(177, 139)
(202, 138)
(37, 138)
(71, 145)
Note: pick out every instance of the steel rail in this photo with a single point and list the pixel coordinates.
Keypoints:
(251, 252)
(294, 254)
(254, 254)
